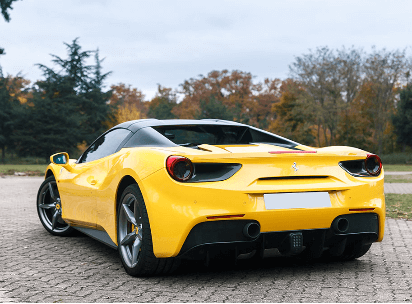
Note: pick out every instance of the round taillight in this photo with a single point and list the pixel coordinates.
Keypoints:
(373, 164)
(180, 168)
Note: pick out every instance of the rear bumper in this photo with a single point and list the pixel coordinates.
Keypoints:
(174, 209)
(210, 238)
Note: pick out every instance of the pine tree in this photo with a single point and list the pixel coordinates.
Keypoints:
(48, 123)
(97, 111)
(1, 70)
(68, 107)
(5, 5)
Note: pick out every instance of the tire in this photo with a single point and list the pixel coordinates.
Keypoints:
(354, 250)
(49, 209)
(134, 237)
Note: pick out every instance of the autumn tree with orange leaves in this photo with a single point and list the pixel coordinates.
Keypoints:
(229, 95)
(129, 102)
(293, 118)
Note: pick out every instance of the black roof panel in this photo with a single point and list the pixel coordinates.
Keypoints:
(135, 125)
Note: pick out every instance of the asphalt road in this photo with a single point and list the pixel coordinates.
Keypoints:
(38, 267)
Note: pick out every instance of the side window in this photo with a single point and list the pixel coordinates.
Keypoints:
(105, 145)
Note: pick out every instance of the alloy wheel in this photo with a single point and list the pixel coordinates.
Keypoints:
(130, 230)
(50, 208)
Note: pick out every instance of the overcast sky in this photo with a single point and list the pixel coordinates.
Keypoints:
(146, 43)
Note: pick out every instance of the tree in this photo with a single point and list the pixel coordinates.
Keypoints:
(126, 95)
(68, 107)
(354, 127)
(49, 122)
(5, 5)
(127, 112)
(331, 80)
(98, 113)
(264, 96)
(383, 69)
(129, 102)
(12, 96)
(227, 95)
(351, 125)
(161, 106)
(403, 118)
(74, 68)
(7, 104)
(1, 70)
(315, 71)
(86, 82)
(205, 89)
(212, 108)
(293, 119)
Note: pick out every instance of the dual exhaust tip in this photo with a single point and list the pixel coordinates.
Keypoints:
(252, 230)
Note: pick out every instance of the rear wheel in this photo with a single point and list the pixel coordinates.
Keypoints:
(354, 250)
(134, 237)
(49, 208)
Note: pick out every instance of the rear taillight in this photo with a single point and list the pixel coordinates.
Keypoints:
(373, 164)
(180, 168)
(369, 166)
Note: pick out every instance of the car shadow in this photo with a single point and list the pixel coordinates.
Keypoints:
(86, 251)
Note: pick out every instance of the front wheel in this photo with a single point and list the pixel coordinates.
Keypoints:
(134, 237)
(49, 209)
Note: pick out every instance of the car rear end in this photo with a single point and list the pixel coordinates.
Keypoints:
(253, 197)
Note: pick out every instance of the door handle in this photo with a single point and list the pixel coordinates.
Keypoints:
(93, 182)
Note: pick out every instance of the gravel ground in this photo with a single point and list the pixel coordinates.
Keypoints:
(38, 267)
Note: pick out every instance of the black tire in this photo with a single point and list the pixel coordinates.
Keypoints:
(135, 239)
(354, 250)
(49, 209)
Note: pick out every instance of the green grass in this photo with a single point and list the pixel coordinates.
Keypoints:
(398, 178)
(397, 167)
(399, 206)
(13, 159)
(36, 170)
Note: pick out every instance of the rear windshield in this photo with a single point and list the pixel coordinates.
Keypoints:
(194, 135)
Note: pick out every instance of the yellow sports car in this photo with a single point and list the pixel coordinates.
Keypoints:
(163, 190)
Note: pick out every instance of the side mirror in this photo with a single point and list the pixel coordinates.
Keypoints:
(60, 158)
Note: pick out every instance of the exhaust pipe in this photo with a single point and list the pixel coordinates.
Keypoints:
(251, 230)
(341, 225)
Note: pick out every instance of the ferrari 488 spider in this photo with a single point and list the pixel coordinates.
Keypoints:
(162, 190)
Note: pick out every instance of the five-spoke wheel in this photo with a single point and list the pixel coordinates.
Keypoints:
(134, 237)
(49, 208)
(130, 229)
